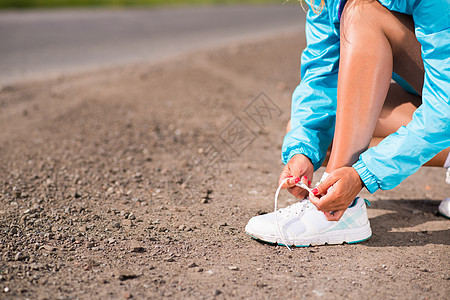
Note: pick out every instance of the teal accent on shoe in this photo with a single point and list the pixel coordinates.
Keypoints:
(353, 203)
(445, 216)
(254, 237)
(367, 202)
(355, 242)
(297, 246)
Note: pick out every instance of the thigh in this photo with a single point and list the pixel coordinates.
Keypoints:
(406, 49)
(397, 110)
(399, 30)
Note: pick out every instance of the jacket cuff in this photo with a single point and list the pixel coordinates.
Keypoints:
(369, 180)
(291, 151)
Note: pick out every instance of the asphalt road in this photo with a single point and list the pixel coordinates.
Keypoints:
(37, 44)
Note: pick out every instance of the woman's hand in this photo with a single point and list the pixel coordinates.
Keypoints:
(298, 168)
(334, 195)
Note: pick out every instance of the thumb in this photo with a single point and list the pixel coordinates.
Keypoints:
(324, 186)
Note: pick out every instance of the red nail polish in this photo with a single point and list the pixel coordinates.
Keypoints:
(289, 176)
(309, 182)
(304, 177)
(297, 180)
(315, 191)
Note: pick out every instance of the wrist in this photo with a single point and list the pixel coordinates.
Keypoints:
(302, 157)
(358, 179)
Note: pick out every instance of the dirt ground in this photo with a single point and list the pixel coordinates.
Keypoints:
(137, 182)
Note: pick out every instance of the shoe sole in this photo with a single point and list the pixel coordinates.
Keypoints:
(337, 237)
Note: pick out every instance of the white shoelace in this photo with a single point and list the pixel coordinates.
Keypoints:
(303, 203)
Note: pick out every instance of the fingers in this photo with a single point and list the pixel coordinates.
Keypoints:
(324, 204)
(314, 200)
(328, 202)
(292, 181)
(323, 187)
(306, 181)
(287, 173)
(298, 168)
(298, 192)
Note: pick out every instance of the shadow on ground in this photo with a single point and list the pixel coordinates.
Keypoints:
(406, 224)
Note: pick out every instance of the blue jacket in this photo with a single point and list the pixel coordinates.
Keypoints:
(314, 100)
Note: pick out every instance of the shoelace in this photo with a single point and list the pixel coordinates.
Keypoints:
(289, 208)
(296, 208)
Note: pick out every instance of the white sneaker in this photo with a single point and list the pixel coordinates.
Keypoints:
(302, 225)
(444, 207)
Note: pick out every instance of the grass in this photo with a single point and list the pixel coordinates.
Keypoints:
(4, 4)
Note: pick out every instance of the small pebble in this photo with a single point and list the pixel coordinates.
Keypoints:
(233, 268)
(20, 256)
(138, 249)
(125, 275)
(36, 266)
(261, 284)
(48, 248)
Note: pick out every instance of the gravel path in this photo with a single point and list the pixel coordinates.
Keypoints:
(127, 183)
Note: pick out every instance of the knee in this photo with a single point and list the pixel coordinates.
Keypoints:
(360, 14)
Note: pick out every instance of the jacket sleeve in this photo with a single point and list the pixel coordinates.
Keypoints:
(401, 154)
(313, 111)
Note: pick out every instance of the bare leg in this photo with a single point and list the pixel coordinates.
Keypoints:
(360, 97)
(373, 40)
(396, 112)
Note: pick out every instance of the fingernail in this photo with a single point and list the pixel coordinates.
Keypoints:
(315, 191)
(304, 177)
(309, 182)
(290, 176)
(297, 180)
